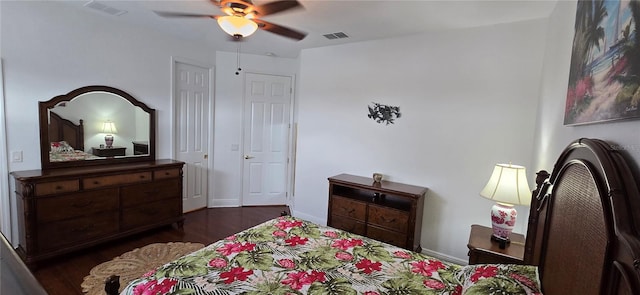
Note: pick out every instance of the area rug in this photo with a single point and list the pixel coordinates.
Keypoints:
(134, 264)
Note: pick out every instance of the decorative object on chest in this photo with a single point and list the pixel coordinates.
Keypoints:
(387, 211)
(507, 187)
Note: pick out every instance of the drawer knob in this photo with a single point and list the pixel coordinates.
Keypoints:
(58, 187)
(387, 220)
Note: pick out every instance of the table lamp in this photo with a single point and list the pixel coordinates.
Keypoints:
(109, 128)
(507, 187)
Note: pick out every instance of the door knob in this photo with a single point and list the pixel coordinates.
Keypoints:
(247, 157)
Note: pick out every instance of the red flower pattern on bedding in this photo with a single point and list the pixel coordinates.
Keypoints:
(299, 279)
(295, 240)
(367, 266)
(290, 256)
(231, 248)
(488, 271)
(434, 284)
(345, 244)
(236, 273)
(153, 287)
(426, 268)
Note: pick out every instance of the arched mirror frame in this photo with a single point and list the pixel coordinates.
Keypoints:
(45, 106)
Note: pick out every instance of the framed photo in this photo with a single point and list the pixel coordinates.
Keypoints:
(604, 76)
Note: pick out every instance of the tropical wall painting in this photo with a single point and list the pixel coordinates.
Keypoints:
(604, 78)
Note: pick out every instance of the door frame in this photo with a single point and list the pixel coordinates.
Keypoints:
(290, 176)
(6, 225)
(172, 129)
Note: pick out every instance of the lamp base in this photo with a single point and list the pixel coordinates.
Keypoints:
(502, 242)
(108, 140)
(503, 220)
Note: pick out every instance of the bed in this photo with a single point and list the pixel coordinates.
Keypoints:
(67, 140)
(582, 238)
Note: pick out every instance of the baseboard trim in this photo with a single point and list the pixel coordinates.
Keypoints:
(308, 217)
(444, 257)
(218, 203)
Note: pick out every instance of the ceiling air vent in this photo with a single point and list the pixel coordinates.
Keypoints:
(104, 8)
(338, 35)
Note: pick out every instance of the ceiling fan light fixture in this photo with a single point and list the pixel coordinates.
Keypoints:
(237, 25)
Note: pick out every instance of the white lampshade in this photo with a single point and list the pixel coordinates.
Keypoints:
(109, 127)
(508, 185)
(237, 25)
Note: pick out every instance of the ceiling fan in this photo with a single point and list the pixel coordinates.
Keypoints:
(243, 17)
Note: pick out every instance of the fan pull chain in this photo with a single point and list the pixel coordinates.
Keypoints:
(238, 60)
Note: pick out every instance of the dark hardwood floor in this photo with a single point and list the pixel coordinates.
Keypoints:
(65, 274)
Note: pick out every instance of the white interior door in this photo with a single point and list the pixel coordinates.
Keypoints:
(192, 111)
(267, 104)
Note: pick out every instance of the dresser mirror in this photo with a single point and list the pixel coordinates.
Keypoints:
(95, 125)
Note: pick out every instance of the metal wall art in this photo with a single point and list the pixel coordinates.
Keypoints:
(383, 113)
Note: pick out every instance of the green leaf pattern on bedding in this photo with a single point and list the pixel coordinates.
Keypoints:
(287, 256)
(499, 279)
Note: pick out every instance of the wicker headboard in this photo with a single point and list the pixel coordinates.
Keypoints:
(62, 129)
(583, 227)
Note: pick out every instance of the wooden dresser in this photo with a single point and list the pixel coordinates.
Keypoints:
(64, 210)
(386, 211)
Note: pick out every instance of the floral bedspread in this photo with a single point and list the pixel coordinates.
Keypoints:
(287, 255)
(70, 156)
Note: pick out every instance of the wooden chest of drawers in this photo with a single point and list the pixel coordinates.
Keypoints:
(64, 210)
(386, 211)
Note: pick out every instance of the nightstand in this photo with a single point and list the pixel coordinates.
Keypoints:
(483, 250)
(108, 152)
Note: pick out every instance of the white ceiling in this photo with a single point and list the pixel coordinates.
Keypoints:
(361, 20)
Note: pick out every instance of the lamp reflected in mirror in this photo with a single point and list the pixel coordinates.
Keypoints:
(109, 128)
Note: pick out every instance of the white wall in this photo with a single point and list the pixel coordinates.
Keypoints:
(551, 136)
(468, 101)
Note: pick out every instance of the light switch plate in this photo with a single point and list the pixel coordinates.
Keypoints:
(16, 156)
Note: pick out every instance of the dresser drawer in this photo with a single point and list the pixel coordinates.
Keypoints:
(348, 224)
(56, 234)
(150, 213)
(387, 236)
(49, 188)
(96, 182)
(388, 218)
(136, 194)
(74, 205)
(349, 208)
(168, 173)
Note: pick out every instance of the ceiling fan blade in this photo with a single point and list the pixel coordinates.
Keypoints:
(179, 14)
(280, 30)
(276, 6)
